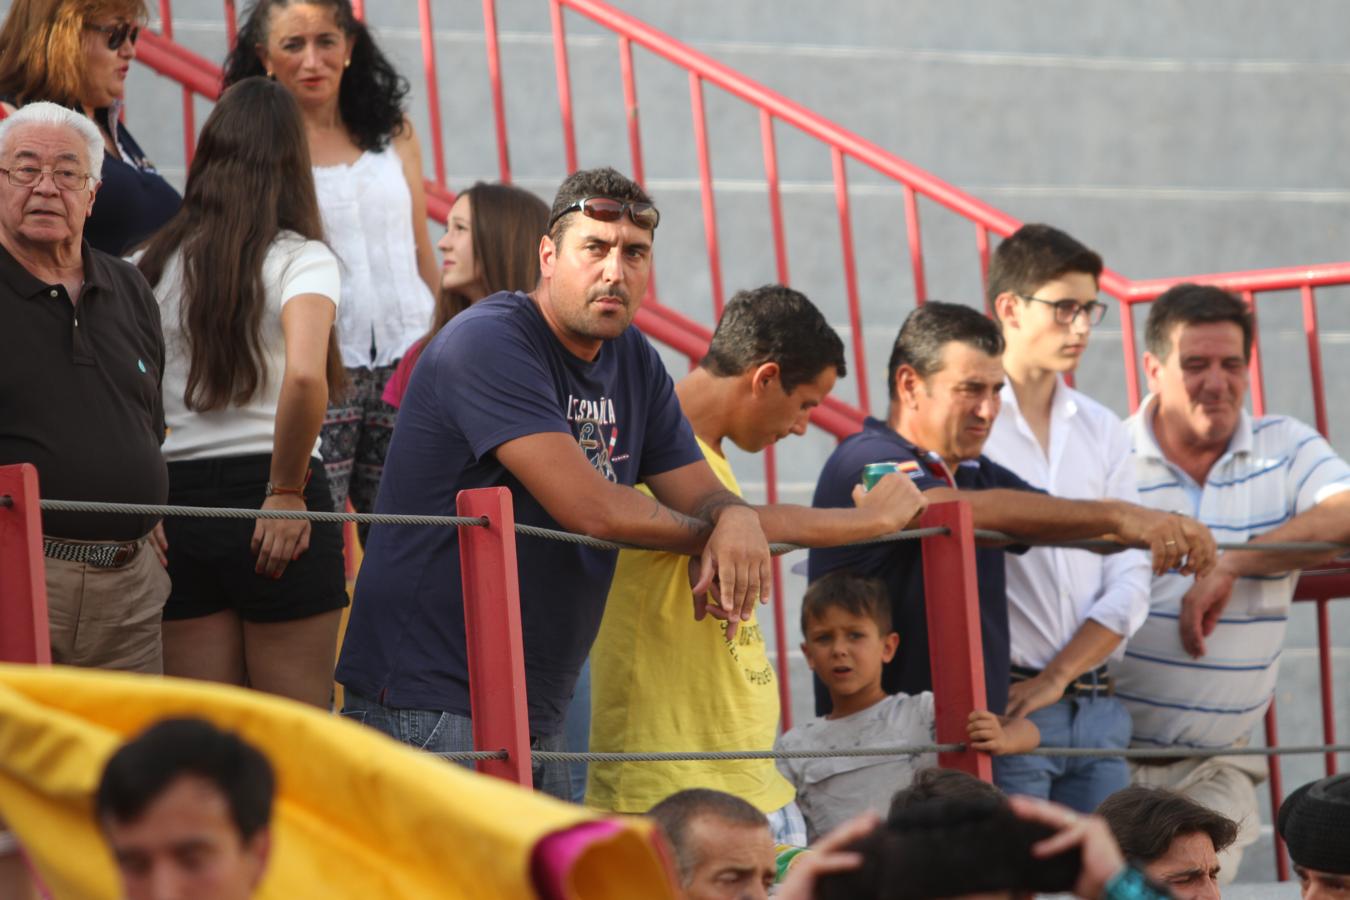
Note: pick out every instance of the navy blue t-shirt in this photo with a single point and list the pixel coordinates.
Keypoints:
(900, 564)
(497, 373)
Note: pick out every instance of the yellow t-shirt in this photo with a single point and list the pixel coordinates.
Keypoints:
(661, 681)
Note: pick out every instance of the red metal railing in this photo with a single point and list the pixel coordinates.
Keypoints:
(689, 337)
(23, 585)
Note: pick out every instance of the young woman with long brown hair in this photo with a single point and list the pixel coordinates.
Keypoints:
(248, 295)
(491, 244)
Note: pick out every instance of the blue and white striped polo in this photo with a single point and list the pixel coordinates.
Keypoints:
(1275, 468)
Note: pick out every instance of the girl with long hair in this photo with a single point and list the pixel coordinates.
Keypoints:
(368, 175)
(491, 244)
(77, 53)
(248, 295)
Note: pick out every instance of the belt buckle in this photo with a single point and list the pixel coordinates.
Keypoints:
(122, 555)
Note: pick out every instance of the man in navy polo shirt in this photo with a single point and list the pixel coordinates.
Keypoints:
(552, 395)
(945, 375)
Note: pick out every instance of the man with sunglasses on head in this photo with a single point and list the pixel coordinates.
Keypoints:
(1068, 610)
(80, 387)
(552, 395)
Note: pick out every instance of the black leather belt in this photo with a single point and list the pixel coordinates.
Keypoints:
(100, 556)
(1090, 684)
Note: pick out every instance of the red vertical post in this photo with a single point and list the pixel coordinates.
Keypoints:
(189, 126)
(1326, 677)
(23, 582)
(231, 24)
(775, 196)
(496, 651)
(1276, 790)
(1258, 379)
(705, 182)
(1315, 359)
(630, 107)
(359, 9)
(1131, 354)
(850, 275)
(955, 647)
(982, 250)
(779, 607)
(915, 239)
(433, 91)
(494, 61)
(564, 85)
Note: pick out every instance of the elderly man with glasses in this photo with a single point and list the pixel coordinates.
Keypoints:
(80, 391)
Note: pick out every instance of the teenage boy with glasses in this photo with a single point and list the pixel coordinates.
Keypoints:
(1068, 610)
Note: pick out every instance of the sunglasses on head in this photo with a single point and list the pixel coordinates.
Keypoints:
(603, 209)
(117, 34)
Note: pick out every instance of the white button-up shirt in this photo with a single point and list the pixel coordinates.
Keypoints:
(1275, 468)
(1053, 591)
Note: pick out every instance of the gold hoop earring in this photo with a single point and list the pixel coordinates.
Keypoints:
(347, 64)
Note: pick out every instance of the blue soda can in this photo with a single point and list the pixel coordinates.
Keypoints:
(872, 472)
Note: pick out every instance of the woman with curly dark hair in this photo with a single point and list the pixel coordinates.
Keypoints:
(368, 174)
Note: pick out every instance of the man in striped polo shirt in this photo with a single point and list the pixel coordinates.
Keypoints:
(1202, 669)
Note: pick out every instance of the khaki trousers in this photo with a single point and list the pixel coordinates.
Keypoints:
(108, 618)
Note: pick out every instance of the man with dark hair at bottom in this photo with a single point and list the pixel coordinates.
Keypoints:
(1315, 824)
(933, 783)
(945, 375)
(1201, 670)
(771, 361)
(722, 846)
(1069, 611)
(1176, 840)
(185, 809)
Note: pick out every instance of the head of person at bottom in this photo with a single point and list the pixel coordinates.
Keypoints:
(772, 359)
(722, 845)
(847, 637)
(185, 808)
(1315, 824)
(1175, 840)
(596, 259)
(934, 784)
(1043, 289)
(1199, 342)
(53, 158)
(945, 374)
(962, 847)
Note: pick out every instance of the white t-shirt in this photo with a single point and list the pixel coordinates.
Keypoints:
(293, 266)
(832, 790)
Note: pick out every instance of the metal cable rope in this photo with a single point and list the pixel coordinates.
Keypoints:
(912, 750)
(208, 512)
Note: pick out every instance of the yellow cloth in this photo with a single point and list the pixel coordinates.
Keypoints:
(357, 814)
(661, 681)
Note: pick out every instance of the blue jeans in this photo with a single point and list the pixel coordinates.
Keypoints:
(444, 732)
(577, 728)
(1079, 783)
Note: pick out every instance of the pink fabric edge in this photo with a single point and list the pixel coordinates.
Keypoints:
(555, 855)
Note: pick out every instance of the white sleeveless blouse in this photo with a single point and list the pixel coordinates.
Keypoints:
(367, 219)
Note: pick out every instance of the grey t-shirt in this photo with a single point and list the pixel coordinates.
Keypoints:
(832, 790)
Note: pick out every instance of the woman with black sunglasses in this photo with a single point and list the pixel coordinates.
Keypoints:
(77, 53)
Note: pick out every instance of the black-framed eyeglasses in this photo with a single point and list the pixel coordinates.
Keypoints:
(65, 179)
(1068, 311)
(606, 209)
(117, 34)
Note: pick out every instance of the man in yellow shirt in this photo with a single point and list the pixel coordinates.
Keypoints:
(662, 680)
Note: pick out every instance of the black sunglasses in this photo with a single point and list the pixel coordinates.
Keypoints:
(117, 34)
(603, 209)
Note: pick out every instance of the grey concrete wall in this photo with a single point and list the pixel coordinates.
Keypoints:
(1174, 136)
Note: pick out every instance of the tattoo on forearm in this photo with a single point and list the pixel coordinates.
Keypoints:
(698, 528)
(715, 502)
